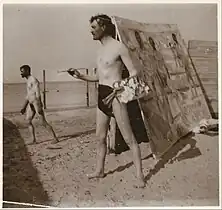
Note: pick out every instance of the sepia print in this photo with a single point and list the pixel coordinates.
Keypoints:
(110, 105)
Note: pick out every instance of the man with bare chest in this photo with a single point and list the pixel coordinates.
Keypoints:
(112, 57)
(33, 103)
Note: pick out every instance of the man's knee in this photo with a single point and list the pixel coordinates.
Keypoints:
(130, 139)
(30, 115)
(46, 124)
(101, 136)
(43, 119)
(29, 121)
(40, 111)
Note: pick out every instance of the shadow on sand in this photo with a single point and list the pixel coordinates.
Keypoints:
(20, 178)
(128, 165)
(171, 156)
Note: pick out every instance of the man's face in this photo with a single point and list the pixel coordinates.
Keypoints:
(24, 73)
(96, 30)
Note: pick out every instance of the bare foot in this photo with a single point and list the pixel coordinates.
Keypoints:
(140, 183)
(95, 175)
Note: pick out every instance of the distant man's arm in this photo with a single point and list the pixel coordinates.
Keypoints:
(36, 88)
(125, 56)
(25, 105)
(73, 72)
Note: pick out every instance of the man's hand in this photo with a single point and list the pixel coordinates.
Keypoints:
(23, 110)
(73, 72)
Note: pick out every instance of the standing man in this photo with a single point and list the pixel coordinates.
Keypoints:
(33, 103)
(112, 57)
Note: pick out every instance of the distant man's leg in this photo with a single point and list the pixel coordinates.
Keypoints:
(102, 125)
(29, 117)
(123, 122)
(39, 110)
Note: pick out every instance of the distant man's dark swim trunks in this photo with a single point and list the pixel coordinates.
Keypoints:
(103, 92)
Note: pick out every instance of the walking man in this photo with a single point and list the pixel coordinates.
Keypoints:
(33, 103)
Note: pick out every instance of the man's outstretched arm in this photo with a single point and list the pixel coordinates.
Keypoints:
(36, 88)
(25, 105)
(73, 72)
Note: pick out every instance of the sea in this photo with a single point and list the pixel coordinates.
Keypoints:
(59, 95)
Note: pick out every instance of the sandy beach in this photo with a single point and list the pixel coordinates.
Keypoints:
(187, 175)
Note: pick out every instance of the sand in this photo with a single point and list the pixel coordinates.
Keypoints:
(186, 176)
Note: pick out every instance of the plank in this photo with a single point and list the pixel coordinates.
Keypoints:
(206, 66)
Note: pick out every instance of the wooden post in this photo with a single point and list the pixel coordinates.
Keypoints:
(44, 90)
(87, 90)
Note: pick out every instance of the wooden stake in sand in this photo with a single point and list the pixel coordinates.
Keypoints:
(76, 74)
(44, 90)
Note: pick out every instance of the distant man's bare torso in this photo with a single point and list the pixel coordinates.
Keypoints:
(33, 94)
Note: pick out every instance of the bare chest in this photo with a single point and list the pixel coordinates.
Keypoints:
(30, 86)
(107, 57)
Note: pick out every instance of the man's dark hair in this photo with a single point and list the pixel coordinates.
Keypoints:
(27, 68)
(103, 19)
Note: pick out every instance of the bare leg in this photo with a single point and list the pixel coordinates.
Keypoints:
(32, 131)
(48, 127)
(39, 109)
(122, 119)
(102, 125)
(30, 115)
(111, 136)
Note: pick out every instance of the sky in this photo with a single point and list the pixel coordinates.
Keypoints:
(57, 37)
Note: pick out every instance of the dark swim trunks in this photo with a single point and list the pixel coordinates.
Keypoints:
(103, 92)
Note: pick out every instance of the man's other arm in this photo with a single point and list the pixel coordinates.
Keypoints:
(125, 56)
